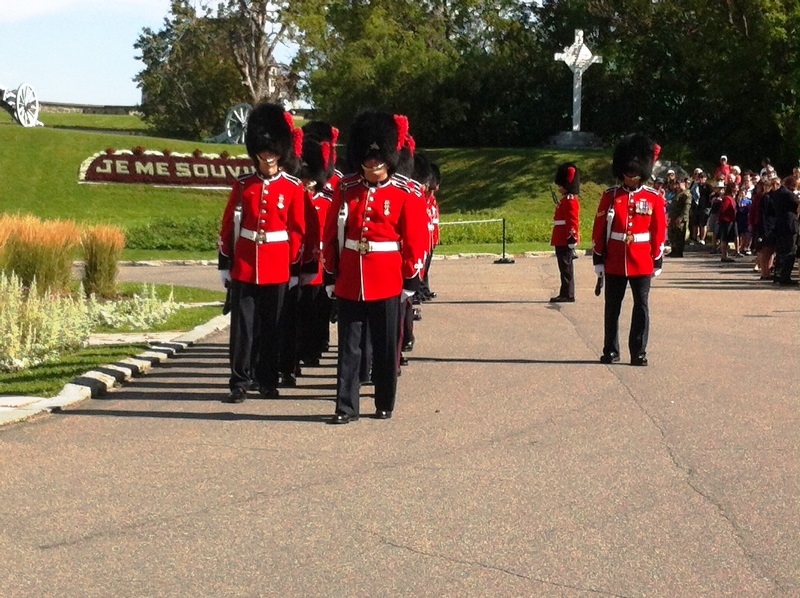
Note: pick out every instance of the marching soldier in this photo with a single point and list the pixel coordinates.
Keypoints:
(259, 245)
(433, 228)
(314, 305)
(566, 227)
(628, 244)
(373, 248)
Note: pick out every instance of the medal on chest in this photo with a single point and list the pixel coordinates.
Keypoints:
(643, 207)
(386, 205)
(280, 201)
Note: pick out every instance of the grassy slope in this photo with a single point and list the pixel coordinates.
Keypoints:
(40, 169)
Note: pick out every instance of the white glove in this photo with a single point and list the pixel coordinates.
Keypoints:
(306, 278)
(406, 295)
(225, 277)
(572, 245)
(599, 269)
(293, 280)
(329, 290)
(657, 272)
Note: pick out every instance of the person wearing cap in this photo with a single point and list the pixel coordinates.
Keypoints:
(259, 249)
(628, 245)
(723, 171)
(678, 212)
(713, 217)
(374, 244)
(566, 227)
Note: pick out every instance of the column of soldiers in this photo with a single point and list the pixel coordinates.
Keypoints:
(299, 237)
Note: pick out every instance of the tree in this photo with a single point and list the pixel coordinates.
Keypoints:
(189, 80)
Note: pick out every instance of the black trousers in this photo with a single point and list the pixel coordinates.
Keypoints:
(640, 318)
(786, 248)
(254, 344)
(313, 320)
(424, 285)
(382, 318)
(288, 331)
(564, 256)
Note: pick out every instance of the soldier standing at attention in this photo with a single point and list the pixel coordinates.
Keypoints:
(628, 244)
(566, 226)
(374, 245)
(678, 219)
(259, 245)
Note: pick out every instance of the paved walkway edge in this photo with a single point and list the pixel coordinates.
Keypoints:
(95, 383)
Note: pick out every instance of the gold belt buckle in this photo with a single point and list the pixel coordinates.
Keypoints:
(261, 237)
(363, 247)
(629, 238)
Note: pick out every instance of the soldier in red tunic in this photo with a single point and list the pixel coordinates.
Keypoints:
(374, 245)
(566, 226)
(314, 305)
(628, 244)
(259, 249)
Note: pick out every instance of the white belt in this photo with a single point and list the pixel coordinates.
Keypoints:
(270, 237)
(557, 222)
(631, 238)
(371, 246)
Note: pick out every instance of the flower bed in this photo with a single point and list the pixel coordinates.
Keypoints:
(164, 168)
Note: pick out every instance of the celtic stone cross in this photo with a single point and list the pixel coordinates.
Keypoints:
(578, 58)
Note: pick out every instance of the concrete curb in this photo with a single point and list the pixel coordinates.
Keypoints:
(95, 383)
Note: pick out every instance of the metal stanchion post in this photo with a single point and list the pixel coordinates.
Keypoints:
(505, 259)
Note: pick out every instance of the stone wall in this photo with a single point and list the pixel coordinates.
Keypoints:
(85, 108)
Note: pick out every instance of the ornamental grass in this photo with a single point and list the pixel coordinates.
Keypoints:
(102, 249)
(39, 250)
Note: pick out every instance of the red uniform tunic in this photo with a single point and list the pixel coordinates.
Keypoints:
(433, 216)
(566, 222)
(273, 225)
(385, 239)
(638, 231)
(316, 215)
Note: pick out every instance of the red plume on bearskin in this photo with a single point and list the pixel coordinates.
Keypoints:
(297, 135)
(411, 144)
(656, 152)
(634, 154)
(567, 176)
(334, 141)
(402, 130)
(326, 153)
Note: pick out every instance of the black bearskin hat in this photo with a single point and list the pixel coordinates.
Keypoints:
(436, 174)
(423, 173)
(319, 151)
(567, 176)
(269, 130)
(375, 134)
(317, 161)
(634, 154)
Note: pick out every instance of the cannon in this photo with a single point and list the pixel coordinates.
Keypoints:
(235, 125)
(22, 104)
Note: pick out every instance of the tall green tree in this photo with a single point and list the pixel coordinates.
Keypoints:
(190, 79)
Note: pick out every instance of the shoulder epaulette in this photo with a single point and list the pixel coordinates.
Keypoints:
(351, 181)
(291, 178)
(246, 175)
(325, 193)
(611, 189)
(402, 183)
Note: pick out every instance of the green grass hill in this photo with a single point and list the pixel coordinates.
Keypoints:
(39, 169)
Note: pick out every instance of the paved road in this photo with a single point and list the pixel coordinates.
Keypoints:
(515, 465)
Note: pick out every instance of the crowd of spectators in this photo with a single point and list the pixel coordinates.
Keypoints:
(735, 213)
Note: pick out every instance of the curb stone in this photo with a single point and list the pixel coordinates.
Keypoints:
(97, 382)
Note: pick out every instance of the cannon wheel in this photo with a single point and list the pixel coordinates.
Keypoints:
(26, 106)
(236, 122)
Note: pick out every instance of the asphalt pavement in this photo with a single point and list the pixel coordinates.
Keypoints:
(515, 464)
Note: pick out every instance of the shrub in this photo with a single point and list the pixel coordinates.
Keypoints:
(36, 328)
(41, 250)
(187, 234)
(102, 249)
(140, 313)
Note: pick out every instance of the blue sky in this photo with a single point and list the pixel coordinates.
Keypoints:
(76, 51)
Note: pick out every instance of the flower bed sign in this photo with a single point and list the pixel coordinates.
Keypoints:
(198, 170)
